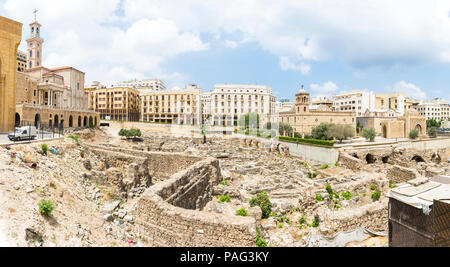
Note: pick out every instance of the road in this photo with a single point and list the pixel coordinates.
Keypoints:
(46, 136)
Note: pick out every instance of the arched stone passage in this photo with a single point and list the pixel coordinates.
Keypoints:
(436, 158)
(70, 121)
(85, 121)
(17, 121)
(370, 159)
(384, 131)
(56, 121)
(418, 159)
(37, 120)
(79, 121)
(419, 129)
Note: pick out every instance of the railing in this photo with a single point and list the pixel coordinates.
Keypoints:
(43, 131)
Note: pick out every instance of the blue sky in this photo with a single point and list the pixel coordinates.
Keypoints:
(329, 46)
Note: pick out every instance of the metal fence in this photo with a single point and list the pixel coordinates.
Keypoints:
(43, 131)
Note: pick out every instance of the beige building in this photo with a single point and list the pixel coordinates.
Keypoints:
(175, 106)
(303, 118)
(356, 101)
(118, 103)
(436, 109)
(10, 37)
(231, 101)
(21, 61)
(143, 85)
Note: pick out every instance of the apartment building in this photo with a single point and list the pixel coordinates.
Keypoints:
(230, 101)
(173, 106)
(143, 85)
(21, 61)
(436, 109)
(356, 101)
(118, 103)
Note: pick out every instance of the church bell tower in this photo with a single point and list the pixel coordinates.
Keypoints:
(302, 101)
(34, 45)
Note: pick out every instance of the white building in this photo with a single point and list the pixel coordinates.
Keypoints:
(435, 109)
(357, 101)
(143, 85)
(228, 102)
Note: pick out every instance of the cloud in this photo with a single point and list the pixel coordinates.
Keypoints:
(287, 64)
(326, 88)
(141, 35)
(91, 37)
(360, 33)
(231, 44)
(409, 89)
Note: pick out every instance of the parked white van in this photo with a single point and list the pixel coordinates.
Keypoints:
(23, 133)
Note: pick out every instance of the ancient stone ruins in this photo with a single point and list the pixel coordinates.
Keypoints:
(164, 190)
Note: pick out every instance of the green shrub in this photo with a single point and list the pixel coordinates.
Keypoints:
(302, 219)
(336, 164)
(91, 122)
(241, 212)
(46, 207)
(132, 133)
(262, 200)
(376, 195)
(347, 195)
(319, 198)
(280, 225)
(432, 132)
(224, 199)
(44, 148)
(373, 187)
(312, 175)
(414, 134)
(315, 222)
(369, 134)
(391, 185)
(329, 189)
(306, 141)
(224, 182)
(74, 137)
(260, 242)
(324, 167)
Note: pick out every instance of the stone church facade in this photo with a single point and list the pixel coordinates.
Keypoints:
(303, 117)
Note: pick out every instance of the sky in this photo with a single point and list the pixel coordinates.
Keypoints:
(326, 45)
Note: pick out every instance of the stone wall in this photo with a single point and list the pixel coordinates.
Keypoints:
(399, 174)
(373, 217)
(350, 162)
(166, 215)
(161, 165)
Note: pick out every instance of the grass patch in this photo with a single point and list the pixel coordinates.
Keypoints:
(224, 199)
(241, 212)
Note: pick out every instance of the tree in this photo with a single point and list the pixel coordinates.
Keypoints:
(322, 131)
(432, 132)
(285, 129)
(433, 123)
(340, 132)
(91, 122)
(414, 134)
(369, 134)
(249, 121)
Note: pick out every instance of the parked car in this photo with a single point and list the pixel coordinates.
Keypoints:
(23, 133)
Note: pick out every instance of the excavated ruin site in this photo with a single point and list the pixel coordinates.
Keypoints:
(179, 191)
